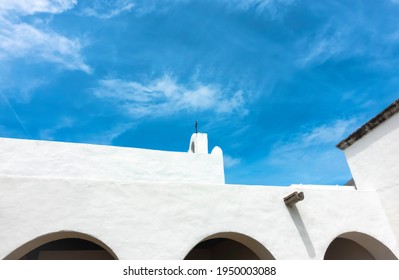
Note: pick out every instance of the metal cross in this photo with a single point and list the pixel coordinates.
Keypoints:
(196, 127)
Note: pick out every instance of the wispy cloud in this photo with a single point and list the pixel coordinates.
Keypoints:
(274, 7)
(106, 137)
(19, 39)
(22, 40)
(104, 9)
(230, 161)
(49, 133)
(165, 96)
(29, 7)
(299, 145)
(350, 34)
(259, 5)
(308, 157)
(21, 88)
(330, 42)
(327, 134)
(66, 124)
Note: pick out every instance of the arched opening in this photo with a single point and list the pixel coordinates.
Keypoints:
(357, 246)
(229, 246)
(63, 245)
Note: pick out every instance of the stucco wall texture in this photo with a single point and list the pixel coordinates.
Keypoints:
(145, 204)
(374, 163)
(165, 221)
(86, 161)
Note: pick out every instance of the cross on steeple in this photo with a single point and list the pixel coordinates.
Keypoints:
(196, 127)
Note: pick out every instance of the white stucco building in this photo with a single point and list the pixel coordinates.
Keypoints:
(80, 201)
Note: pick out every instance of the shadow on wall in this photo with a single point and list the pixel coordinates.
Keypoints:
(229, 246)
(303, 233)
(63, 245)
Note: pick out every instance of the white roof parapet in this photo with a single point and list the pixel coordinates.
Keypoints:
(36, 158)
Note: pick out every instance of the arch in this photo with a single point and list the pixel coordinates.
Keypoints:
(229, 246)
(357, 246)
(66, 245)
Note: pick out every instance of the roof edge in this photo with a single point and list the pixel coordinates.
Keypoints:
(369, 126)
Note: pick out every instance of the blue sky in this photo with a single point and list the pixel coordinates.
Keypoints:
(275, 83)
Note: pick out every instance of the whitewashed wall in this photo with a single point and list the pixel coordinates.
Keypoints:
(158, 205)
(166, 220)
(374, 159)
(374, 163)
(85, 161)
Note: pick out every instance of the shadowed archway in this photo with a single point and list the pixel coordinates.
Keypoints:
(357, 246)
(63, 245)
(229, 246)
